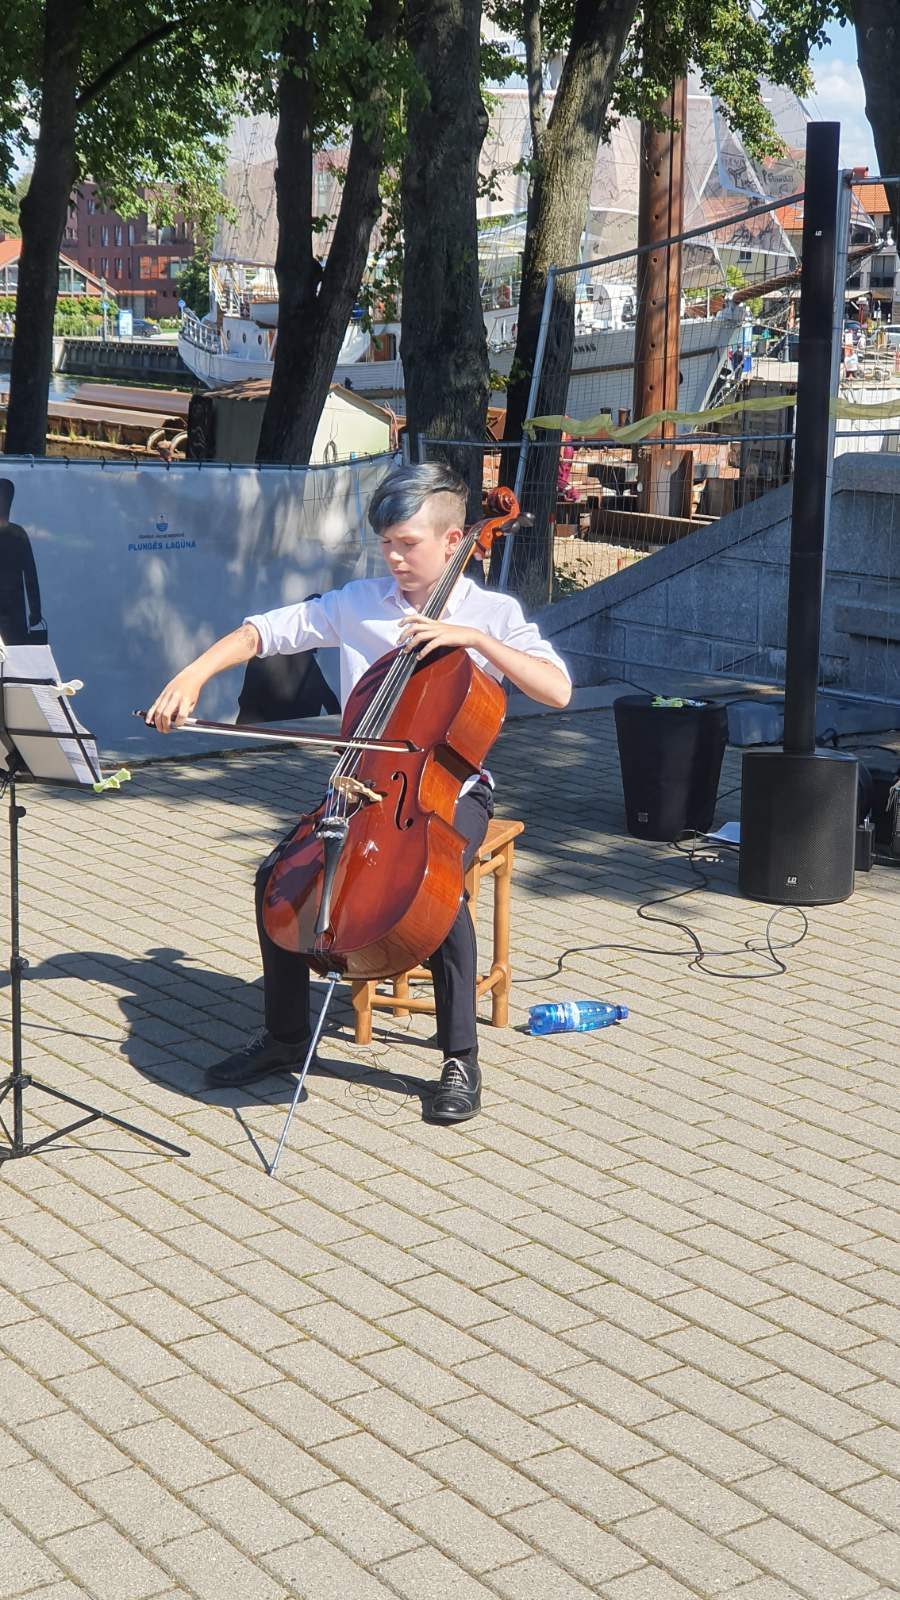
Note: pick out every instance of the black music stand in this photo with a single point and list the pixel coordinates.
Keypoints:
(45, 744)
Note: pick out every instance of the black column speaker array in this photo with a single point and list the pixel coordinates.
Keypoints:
(798, 805)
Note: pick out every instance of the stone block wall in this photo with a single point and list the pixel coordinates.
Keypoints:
(715, 602)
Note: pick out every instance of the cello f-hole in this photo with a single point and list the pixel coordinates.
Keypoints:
(402, 822)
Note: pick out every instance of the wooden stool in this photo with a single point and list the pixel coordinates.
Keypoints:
(494, 859)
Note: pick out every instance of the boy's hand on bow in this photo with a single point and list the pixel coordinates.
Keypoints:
(176, 703)
(429, 635)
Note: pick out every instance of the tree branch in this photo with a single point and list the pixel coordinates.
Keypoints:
(93, 90)
(534, 74)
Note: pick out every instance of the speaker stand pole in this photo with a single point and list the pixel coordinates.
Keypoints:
(798, 805)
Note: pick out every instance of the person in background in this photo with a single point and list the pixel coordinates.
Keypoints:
(565, 488)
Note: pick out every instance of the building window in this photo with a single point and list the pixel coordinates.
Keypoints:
(90, 264)
(118, 266)
(92, 204)
(176, 267)
(131, 238)
(118, 233)
(104, 266)
(745, 255)
(92, 233)
(151, 233)
(104, 235)
(145, 267)
(323, 188)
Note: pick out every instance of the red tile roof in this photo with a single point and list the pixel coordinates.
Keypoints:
(873, 197)
(869, 199)
(791, 218)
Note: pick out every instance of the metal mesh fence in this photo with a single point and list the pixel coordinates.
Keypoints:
(697, 494)
(605, 493)
(634, 348)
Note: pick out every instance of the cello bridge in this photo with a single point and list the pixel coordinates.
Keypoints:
(355, 789)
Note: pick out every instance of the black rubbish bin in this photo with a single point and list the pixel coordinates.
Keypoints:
(671, 758)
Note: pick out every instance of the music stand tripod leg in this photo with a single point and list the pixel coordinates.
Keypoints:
(311, 1050)
(19, 1080)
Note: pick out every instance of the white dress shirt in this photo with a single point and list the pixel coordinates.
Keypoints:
(363, 621)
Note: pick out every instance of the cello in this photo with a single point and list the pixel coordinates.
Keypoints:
(370, 883)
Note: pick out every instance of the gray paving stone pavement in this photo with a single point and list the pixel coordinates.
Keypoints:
(632, 1332)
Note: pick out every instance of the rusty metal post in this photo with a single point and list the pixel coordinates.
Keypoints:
(658, 329)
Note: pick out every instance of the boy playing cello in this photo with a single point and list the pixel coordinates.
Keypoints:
(418, 514)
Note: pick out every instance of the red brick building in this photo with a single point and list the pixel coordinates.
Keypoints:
(139, 261)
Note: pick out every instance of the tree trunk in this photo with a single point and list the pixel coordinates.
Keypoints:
(562, 185)
(43, 214)
(878, 48)
(556, 213)
(444, 345)
(314, 307)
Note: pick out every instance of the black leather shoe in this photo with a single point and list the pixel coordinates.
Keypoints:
(458, 1095)
(260, 1056)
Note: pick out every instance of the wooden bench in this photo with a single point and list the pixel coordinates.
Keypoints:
(494, 859)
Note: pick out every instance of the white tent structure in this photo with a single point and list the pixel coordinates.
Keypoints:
(721, 178)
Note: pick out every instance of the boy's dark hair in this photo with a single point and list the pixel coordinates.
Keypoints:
(7, 490)
(404, 491)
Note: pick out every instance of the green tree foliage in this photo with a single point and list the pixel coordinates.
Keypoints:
(138, 95)
(131, 94)
(193, 283)
(10, 199)
(733, 45)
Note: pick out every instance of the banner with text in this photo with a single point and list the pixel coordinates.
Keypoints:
(131, 571)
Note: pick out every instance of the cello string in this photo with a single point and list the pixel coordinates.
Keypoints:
(396, 678)
(387, 696)
(404, 665)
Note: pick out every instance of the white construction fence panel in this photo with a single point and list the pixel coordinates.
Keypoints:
(130, 571)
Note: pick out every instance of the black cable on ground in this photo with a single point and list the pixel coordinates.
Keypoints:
(699, 955)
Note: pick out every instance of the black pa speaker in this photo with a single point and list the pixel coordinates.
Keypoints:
(671, 758)
(798, 827)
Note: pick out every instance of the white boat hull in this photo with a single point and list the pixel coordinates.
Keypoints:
(603, 366)
(216, 370)
(602, 377)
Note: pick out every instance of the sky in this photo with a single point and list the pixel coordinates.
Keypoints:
(840, 97)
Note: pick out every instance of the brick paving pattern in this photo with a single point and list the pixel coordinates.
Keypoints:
(632, 1332)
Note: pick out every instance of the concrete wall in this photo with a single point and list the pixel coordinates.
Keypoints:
(114, 358)
(716, 601)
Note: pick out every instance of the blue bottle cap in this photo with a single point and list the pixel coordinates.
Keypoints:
(623, 1012)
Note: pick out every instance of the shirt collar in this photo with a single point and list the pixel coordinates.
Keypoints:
(460, 593)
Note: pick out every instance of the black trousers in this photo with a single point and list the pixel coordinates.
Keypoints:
(453, 966)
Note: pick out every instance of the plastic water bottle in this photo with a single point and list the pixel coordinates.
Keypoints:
(574, 1016)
